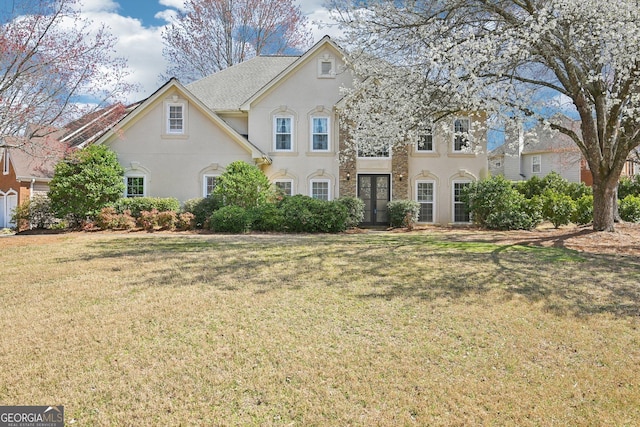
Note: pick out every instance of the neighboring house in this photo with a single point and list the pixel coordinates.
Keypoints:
(28, 169)
(282, 114)
(538, 152)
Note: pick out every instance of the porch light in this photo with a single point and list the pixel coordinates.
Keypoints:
(348, 176)
(400, 177)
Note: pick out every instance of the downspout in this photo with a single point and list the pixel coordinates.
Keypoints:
(33, 181)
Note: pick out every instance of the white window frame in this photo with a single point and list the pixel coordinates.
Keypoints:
(180, 131)
(426, 130)
(464, 148)
(326, 59)
(126, 184)
(454, 202)
(320, 181)
(289, 181)
(432, 202)
(275, 133)
(537, 163)
(205, 185)
(328, 133)
(5, 162)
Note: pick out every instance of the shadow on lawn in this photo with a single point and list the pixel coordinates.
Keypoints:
(390, 266)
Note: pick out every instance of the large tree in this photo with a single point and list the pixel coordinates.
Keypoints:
(211, 35)
(522, 59)
(54, 67)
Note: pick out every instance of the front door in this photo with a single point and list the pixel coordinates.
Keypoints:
(375, 192)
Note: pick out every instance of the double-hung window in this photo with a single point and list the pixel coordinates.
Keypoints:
(461, 135)
(208, 185)
(536, 164)
(175, 119)
(460, 211)
(283, 134)
(425, 196)
(320, 189)
(320, 134)
(425, 139)
(135, 186)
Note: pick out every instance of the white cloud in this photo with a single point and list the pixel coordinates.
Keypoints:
(168, 15)
(176, 4)
(141, 46)
(89, 6)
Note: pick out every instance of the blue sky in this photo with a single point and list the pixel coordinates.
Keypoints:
(138, 26)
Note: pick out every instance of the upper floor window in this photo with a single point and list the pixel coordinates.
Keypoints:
(320, 134)
(374, 152)
(425, 139)
(536, 164)
(135, 186)
(326, 66)
(320, 189)
(208, 185)
(283, 135)
(5, 162)
(175, 118)
(461, 128)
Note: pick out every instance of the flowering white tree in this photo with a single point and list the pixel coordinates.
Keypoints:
(525, 59)
(54, 67)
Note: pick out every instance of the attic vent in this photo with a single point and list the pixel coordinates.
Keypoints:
(326, 67)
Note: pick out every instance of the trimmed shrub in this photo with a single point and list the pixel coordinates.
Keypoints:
(186, 221)
(267, 217)
(630, 208)
(493, 203)
(230, 219)
(557, 207)
(403, 213)
(629, 187)
(136, 205)
(167, 220)
(355, 210)
(243, 185)
(148, 220)
(202, 208)
(109, 219)
(84, 182)
(34, 213)
(584, 210)
(306, 214)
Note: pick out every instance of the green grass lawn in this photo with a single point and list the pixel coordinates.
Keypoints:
(382, 329)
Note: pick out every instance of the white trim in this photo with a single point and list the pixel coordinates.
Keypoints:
(433, 201)
(183, 118)
(327, 59)
(291, 132)
(204, 182)
(467, 148)
(539, 164)
(328, 133)
(324, 180)
(453, 199)
(5, 162)
(287, 180)
(136, 175)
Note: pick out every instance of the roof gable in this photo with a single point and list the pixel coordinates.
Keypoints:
(172, 84)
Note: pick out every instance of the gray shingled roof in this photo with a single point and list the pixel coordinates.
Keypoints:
(230, 88)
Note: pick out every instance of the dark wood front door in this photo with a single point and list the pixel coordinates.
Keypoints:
(375, 191)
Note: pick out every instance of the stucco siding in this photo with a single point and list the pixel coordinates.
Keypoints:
(174, 165)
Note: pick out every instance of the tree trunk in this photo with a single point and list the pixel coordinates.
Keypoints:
(604, 202)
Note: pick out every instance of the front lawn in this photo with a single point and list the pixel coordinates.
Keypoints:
(418, 328)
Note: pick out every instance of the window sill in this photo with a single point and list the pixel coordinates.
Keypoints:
(175, 136)
(283, 153)
(456, 154)
(320, 153)
(426, 154)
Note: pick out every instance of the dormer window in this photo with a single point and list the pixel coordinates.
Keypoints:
(326, 67)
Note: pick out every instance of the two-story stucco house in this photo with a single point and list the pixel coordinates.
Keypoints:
(282, 114)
